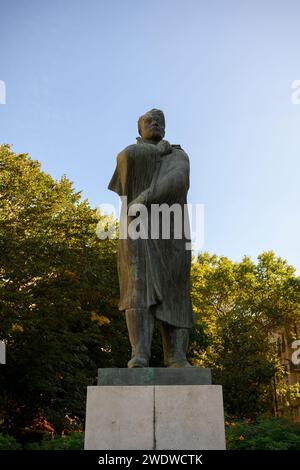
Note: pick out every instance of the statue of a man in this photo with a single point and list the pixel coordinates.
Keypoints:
(154, 271)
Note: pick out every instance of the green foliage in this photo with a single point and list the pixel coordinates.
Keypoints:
(264, 434)
(9, 443)
(73, 441)
(58, 297)
(238, 305)
(59, 308)
(288, 395)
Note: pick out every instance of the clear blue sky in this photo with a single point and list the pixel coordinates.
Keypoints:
(79, 73)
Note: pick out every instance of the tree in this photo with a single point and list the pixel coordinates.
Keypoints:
(239, 305)
(59, 306)
(58, 296)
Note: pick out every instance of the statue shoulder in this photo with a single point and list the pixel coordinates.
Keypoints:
(176, 146)
(128, 149)
(126, 152)
(178, 149)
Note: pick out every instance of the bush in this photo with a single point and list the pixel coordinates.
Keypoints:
(263, 434)
(72, 441)
(9, 443)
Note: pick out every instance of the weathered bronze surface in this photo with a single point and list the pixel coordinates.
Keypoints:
(154, 273)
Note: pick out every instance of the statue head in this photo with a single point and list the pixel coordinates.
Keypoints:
(151, 125)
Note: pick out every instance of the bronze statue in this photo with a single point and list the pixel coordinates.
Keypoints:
(154, 272)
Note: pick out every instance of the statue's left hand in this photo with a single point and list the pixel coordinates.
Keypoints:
(141, 199)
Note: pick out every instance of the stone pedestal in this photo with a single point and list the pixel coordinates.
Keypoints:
(140, 409)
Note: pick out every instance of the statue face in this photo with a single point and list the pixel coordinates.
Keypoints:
(152, 127)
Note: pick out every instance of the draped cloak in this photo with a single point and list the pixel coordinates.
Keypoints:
(155, 272)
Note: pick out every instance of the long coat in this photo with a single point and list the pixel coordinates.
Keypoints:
(155, 272)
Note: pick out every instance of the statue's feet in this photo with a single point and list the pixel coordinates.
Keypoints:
(176, 363)
(138, 361)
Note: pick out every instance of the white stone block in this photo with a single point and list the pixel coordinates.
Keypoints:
(189, 417)
(169, 417)
(119, 417)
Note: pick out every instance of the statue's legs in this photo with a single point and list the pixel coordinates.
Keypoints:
(140, 324)
(175, 344)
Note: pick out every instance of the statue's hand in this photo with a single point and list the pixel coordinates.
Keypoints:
(141, 199)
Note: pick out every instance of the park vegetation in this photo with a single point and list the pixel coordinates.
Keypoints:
(60, 321)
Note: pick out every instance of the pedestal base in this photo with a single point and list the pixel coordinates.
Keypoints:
(162, 417)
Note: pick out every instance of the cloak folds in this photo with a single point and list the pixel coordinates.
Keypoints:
(155, 272)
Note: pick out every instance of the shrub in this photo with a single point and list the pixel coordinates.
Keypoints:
(72, 441)
(263, 434)
(9, 443)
